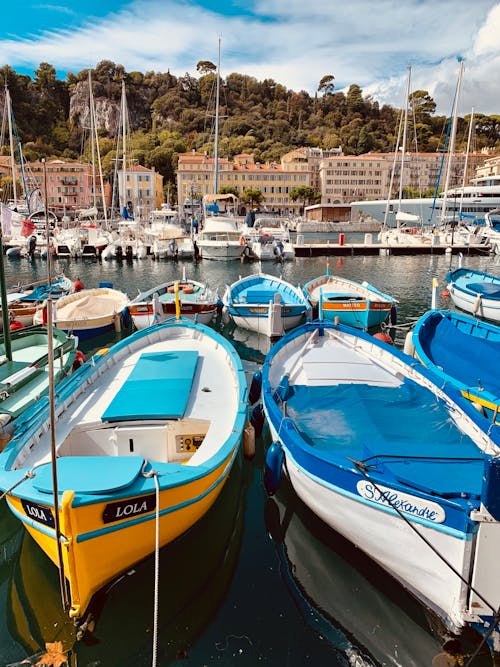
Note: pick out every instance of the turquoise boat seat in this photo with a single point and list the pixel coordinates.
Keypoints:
(253, 295)
(90, 474)
(491, 290)
(157, 388)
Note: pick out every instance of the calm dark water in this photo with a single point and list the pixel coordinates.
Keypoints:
(258, 580)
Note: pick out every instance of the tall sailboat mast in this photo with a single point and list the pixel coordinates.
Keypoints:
(405, 133)
(8, 106)
(216, 147)
(453, 137)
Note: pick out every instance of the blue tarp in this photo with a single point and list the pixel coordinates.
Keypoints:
(157, 388)
(398, 426)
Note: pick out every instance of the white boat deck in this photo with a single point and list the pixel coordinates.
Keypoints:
(211, 406)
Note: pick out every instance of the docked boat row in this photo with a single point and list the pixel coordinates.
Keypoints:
(145, 435)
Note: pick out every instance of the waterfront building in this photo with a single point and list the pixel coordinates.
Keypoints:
(140, 190)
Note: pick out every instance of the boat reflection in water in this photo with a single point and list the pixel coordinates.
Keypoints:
(345, 596)
(194, 574)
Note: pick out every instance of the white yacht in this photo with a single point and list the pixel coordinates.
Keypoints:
(221, 236)
(166, 237)
(269, 239)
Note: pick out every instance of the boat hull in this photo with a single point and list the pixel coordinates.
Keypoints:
(358, 314)
(220, 251)
(143, 444)
(262, 322)
(369, 477)
(95, 551)
(143, 314)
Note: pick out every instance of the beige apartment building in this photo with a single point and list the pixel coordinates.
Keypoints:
(140, 189)
(490, 167)
(344, 179)
(196, 178)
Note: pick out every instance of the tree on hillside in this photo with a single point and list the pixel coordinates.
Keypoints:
(205, 66)
(326, 85)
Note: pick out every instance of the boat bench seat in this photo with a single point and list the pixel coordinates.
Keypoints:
(487, 289)
(258, 296)
(157, 388)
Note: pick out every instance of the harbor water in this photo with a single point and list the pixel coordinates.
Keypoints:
(259, 580)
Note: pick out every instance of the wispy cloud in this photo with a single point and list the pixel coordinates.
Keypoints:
(291, 41)
(55, 8)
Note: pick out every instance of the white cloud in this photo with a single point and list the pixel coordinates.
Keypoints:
(295, 43)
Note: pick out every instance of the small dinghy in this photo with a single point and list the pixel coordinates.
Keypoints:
(88, 313)
(475, 292)
(264, 303)
(356, 304)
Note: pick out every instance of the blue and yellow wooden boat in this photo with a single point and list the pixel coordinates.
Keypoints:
(145, 438)
(358, 305)
(464, 352)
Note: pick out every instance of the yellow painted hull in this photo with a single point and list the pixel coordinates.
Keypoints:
(95, 552)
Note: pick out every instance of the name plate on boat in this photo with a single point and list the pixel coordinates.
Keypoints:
(39, 513)
(423, 509)
(126, 509)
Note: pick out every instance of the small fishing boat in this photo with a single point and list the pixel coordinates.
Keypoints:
(475, 292)
(23, 302)
(359, 305)
(401, 466)
(145, 437)
(25, 378)
(265, 303)
(87, 313)
(463, 351)
(196, 301)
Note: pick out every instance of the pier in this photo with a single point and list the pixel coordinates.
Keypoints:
(367, 249)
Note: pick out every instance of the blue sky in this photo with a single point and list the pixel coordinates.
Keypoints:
(294, 42)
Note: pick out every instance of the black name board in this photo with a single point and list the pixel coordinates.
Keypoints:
(125, 509)
(38, 513)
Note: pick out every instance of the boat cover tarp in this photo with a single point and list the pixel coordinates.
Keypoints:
(90, 306)
(490, 290)
(157, 388)
(472, 360)
(397, 425)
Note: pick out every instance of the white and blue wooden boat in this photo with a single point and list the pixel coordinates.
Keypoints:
(24, 378)
(475, 292)
(462, 351)
(359, 305)
(145, 438)
(88, 313)
(405, 469)
(265, 304)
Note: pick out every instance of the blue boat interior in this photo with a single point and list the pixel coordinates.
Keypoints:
(455, 352)
(258, 290)
(404, 432)
(90, 474)
(157, 388)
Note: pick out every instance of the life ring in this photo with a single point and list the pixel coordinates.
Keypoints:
(171, 289)
(80, 359)
(242, 241)
(187, 289)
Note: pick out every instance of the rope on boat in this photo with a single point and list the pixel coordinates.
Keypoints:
(362, 467)
(154, 474)
(29, 474)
